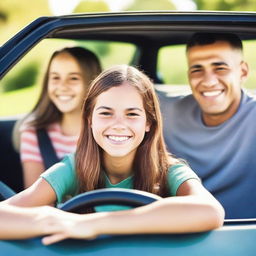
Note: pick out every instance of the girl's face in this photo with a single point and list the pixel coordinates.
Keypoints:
(66, 87)
(119, 121)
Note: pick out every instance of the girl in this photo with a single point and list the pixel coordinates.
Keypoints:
(120, 145)
(57, 114)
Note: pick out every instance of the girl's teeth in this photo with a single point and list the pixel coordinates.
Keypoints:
(212, 93)
(115, 138)
(64, 97)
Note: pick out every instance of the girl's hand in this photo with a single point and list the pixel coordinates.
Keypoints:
(69, 225)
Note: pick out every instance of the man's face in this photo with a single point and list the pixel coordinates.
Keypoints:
(216, 72)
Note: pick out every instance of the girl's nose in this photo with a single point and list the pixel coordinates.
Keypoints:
(63, 84)
(119, 123)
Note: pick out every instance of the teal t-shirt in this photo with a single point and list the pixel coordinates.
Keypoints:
(62, 178)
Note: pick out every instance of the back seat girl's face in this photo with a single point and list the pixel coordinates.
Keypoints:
(66, 87)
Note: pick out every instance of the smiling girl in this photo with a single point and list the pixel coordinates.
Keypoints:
(57, 114)
(120, 145)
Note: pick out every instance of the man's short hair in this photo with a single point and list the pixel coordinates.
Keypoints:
(210, 38)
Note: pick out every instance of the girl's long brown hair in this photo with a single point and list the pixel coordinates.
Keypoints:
(151, 160)
(45, 112)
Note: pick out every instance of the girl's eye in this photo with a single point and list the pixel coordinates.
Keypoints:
(74, 79)
(105, 113)
(54, 78)
(132, 114)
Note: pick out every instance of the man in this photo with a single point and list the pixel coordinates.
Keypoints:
(214, 129)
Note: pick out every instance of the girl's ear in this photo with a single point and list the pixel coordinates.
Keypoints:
(148, 125)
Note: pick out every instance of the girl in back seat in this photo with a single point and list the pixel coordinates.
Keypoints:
(51, 130)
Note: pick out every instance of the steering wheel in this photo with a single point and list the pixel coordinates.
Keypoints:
(109, 196)
(5, 191)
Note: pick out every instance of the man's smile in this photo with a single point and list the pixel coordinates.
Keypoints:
(214, 93)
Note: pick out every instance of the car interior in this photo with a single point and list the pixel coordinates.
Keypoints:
(156, 47)
(151, 41)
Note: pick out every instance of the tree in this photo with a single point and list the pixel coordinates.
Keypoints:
(226, 5)
(17, 14)
(3, 16)
(151, 5)
(91, 6)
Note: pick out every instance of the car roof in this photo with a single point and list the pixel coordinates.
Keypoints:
(159, 28)
(147, 30)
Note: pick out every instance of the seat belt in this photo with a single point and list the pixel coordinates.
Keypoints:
(47, 150)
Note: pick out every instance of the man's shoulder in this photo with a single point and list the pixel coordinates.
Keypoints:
(247, 104)
(248, 97)
(169, 99)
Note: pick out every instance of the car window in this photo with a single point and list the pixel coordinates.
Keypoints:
(111, 53)
(250, 57)
(23, 82)
(172, 65)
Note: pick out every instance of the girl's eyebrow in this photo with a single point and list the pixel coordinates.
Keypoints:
(74, 73)
(128, 109)
(103, 107)
(131, 109)
(71, 73)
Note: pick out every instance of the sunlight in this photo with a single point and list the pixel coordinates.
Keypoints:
(62, 7)
(184, 5)
(118, 5)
